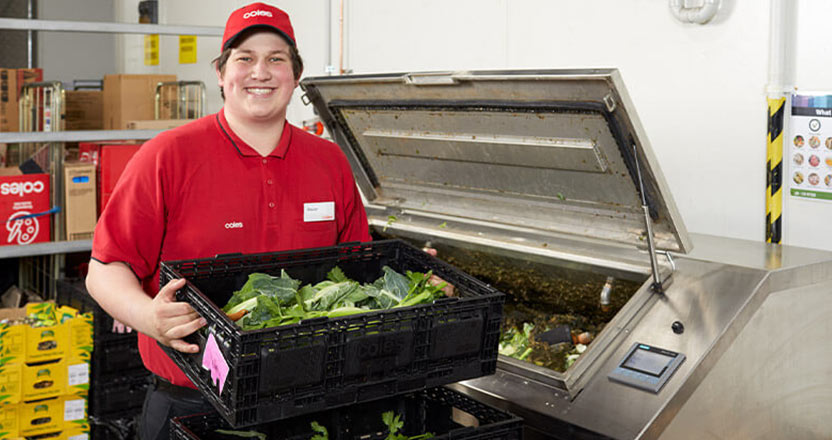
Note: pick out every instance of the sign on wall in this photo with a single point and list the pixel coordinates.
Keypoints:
(809, 147)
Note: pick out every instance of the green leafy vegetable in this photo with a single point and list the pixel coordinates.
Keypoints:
(320, 432)
(515, 343)
(266, 301)
(394, 424)
(243, 434)
(390, 220)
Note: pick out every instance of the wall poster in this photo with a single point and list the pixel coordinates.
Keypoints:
(808, 149)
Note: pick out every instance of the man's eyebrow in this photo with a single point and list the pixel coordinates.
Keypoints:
(283, 51)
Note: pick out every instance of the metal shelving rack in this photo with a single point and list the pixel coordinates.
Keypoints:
(47, 250)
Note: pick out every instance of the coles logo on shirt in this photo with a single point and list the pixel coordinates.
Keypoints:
(234, 225)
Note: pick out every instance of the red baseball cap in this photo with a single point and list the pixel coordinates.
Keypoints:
(257, 15)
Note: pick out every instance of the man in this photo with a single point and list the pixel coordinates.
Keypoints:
(242, 180)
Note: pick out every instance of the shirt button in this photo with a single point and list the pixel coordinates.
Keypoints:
(269, 181)
(265, 160)
(271, 204)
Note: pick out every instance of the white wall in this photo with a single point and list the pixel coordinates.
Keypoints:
(699, 90)
(807, 222)
(67, 56)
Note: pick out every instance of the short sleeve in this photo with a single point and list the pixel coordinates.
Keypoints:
(132, 226)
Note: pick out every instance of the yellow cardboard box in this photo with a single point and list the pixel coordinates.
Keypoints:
(80, 332)
(42, 381)
(75, 413)
(69, 335)
(77, 378)
(76, 430)
(9, 419)
(12, 337)
(41, 417)
(45, 343)
(11, 380)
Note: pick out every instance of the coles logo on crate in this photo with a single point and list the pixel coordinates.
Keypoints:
(24, 206)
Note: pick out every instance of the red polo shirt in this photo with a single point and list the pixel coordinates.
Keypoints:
(199, 190)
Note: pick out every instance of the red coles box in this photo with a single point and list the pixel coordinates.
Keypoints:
(110, 160)
(22, 198)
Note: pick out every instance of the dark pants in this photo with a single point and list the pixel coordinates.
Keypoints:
(164, 402)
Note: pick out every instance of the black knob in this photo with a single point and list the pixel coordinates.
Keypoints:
(677, 327)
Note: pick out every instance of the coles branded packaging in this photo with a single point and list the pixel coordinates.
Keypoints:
(11, 81)
(24, 206)
(111, 159)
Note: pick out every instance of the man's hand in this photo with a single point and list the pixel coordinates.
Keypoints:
(170, 320)
(435, 280)
(117, 290)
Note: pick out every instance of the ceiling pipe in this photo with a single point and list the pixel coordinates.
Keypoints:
(700, 15)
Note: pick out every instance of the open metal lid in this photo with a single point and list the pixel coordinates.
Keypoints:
(550, 150)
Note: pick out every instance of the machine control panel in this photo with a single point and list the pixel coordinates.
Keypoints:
(647, 367)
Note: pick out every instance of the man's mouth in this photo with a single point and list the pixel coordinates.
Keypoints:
(259, 90)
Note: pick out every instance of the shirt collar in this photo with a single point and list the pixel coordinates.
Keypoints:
(245, 149)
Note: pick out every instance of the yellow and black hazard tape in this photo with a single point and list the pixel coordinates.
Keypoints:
(774, 170)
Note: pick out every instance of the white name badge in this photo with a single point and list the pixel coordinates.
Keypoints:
(319, 212)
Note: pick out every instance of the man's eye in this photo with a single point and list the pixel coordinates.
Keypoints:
(244, 59)
(276, 59)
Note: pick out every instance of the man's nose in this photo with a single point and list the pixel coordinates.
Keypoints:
(260, 70)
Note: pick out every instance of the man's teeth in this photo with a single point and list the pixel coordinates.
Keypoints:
(259, 91)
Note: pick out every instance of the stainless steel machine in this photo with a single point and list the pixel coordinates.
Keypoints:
(544, 183)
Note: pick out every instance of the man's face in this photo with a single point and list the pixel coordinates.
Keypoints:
(258, 81)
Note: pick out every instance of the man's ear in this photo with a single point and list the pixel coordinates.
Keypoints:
(219, 75)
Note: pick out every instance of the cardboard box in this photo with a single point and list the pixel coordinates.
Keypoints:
(41, 417)
(45, 343)
(12, 337)
(11, 81)
(84, 110)
(41, 381)
(130, 98)
(11, 381)
(9, 420)
(23, 201)
(76, 430)
(80, 185)
(157, 124)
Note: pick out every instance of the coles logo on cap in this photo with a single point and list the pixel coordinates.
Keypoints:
(257, 13)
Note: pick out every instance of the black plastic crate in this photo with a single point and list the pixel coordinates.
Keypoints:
(113, 428)
(120, 397)
(445, 413)
(327, 363)
(72, 292)
(117, 358)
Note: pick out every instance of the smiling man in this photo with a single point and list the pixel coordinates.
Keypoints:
(241, 180)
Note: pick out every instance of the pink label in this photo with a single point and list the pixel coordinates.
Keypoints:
(214, 362)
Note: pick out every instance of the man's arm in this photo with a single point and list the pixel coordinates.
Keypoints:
(119, 293)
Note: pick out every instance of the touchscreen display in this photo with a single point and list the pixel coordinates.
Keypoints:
(648, 361)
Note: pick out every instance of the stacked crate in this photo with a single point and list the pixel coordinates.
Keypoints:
(44, 371)
(119, 379)
(342, 373)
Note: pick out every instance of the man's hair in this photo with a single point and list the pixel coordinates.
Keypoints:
(294, 56)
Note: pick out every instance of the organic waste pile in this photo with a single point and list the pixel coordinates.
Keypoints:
(267, 301)
(543, 301)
